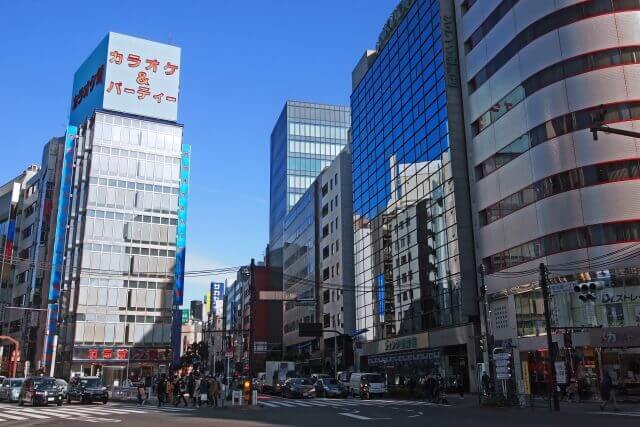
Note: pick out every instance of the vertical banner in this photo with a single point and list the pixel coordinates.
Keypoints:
(62, 218)
(217, 294)
(181, 240)
(380, 290)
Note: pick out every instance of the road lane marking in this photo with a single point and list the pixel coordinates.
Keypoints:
(356, 416)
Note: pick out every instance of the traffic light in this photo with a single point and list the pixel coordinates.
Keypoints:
(483, 345)
(587, 291)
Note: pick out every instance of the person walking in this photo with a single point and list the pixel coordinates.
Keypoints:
(191, 388)
(223, 392)
(161, 389)
(141, 393)
(203, 392)
(460, 385)
(412, 386)
(180, 388)
(196, 392)
(485, 383)
(607, 392)
(214, 390)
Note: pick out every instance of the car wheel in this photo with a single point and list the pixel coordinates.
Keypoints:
(59, 402)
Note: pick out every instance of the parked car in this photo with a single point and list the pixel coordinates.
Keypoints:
(87, 390)
(330, 387)
(298, 387)
(10, 389)
(375, 383)
(343, 377)
(40, 391)
(63, 386)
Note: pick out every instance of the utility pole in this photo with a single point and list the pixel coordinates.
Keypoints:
(485, 317)
(553, 388)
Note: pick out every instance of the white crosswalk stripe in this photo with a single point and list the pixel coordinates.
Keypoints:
(621, 414)
(278, 402)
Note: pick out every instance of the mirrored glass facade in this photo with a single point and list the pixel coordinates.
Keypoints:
(413, 252)
(305, 139)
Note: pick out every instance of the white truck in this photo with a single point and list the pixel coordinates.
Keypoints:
(276, 374)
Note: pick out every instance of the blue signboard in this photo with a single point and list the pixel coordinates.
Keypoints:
(64, 197)
(181, 240)
(381, 296)
(217, 295)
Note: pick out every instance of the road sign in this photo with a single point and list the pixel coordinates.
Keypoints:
(502, 356)
(503, 362)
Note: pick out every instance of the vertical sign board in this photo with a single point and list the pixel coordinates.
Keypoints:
(217, 294)
(381, 296)
(66, 181)
(181, 237)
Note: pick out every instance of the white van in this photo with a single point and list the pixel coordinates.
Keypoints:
(377, 384)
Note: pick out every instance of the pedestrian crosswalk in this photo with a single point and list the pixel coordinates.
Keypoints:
(621, 413)
(278, 402)
(9, 413)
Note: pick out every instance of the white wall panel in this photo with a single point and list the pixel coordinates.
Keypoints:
(515, 175)
(560, 212)
(551, 157)
(588, 35)
(539, 54)
(476, 59)
(480, 100)
(628, 26)
(483, 145)
(511, 126)
(596, 87)
(500, 35)
(520, 227)
(487, 191)
(504, 81)
(476, 16)
(546, 104)
(492, 239)
(617, 201)
(606, 148)
(529, 11)
(632, 78)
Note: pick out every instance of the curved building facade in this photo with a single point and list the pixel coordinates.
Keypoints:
(536, 75)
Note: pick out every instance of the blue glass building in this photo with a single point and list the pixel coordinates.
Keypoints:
(306, 138)
(414, 263)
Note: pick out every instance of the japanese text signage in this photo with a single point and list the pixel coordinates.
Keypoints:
(129, 75)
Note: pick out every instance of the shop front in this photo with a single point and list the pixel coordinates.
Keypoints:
(620, 357)
(415, 357)
(120, 365)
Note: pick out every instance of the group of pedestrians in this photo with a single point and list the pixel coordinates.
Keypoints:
(433, 387)
(201, 390)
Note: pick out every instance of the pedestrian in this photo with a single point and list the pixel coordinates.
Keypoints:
(223, 392)
(485, 383)
(203, 390)
(572, 391)
(412, 386)
(191, 388)
(214, 390)
(607, 392)
(141, 393)
(161, 389)
(180, 389)
(196, 392)
(460, 385)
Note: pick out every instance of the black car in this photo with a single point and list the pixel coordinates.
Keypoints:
(40, 391)
(87, 390)
(298, 387)
(330, 387)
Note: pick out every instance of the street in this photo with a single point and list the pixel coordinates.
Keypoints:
(275, 411)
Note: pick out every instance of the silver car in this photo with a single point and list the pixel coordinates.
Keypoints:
(10, 389)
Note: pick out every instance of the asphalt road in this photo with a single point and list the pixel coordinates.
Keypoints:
(315, 413)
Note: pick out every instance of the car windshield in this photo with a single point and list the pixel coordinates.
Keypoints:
(372, 378)
(330, 381)
(16, 383)
(301, 381)
(44, 383)
(91, 382)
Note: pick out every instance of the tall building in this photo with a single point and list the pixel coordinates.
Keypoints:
(118, 254)
(536, 76)
(416, 295)
(318, 268)
(306, 138)
(18, 241)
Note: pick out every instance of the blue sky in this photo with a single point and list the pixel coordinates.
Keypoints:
(240, 62)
